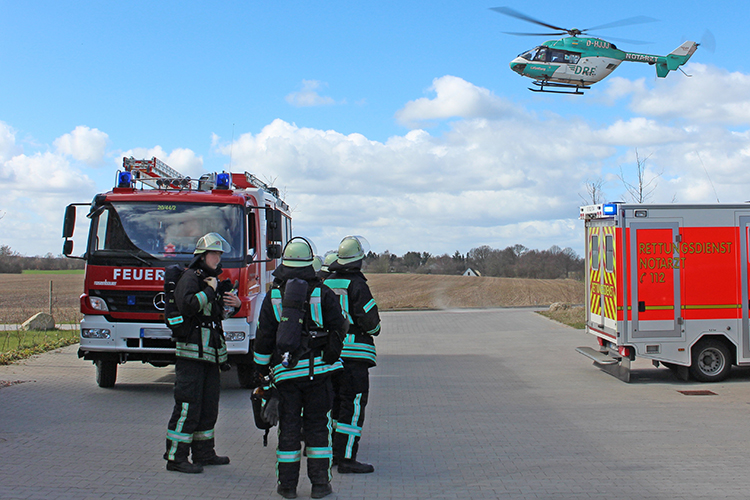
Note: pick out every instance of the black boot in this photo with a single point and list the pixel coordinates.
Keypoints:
(321, 490)
(215, 460)
(185, 467)
(287, 491)
(351, 466)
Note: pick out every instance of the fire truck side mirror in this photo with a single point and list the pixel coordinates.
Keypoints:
(273, 251)
(67, 247)
(273, 226)
(69, 222)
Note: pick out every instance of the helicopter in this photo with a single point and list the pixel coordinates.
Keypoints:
(573, 63)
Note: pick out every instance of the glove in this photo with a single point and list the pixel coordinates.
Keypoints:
(212, 282)
(271, 411)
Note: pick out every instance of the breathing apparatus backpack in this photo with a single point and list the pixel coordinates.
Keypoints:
(292, 325)
(172, 316)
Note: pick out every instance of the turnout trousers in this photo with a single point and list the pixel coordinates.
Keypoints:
(196, 407)
(304, 414)
(351, 387)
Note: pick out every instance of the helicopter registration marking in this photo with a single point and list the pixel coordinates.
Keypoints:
(600, 44)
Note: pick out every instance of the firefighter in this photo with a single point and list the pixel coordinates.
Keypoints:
(301, 374)
(328, 259)
(352, 385)
(198, 359)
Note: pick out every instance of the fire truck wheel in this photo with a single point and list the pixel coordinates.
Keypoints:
(246, 375)
(106, 372)
(711, 361)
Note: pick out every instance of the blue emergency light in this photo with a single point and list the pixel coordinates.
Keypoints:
(125, 180)
(222, 181)
(609, 209)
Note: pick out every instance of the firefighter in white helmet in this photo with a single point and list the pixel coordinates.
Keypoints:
(199, 355)
(299, 339)
(352, 385)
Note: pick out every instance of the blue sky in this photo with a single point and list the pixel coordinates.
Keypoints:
(400, 121)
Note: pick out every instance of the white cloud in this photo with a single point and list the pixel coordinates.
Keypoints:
(309, 96)
(710, 95)
(455, 97)
(497, 175)
(83, 144)
(36, 188)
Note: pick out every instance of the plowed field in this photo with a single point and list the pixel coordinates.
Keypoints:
(23, 295)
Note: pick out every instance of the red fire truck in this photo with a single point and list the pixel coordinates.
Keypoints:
(668, 283)
(151, 220)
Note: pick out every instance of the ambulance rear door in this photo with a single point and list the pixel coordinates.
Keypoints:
(602, 291)
(654, 277)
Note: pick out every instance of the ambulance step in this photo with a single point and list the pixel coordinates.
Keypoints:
(599, 357)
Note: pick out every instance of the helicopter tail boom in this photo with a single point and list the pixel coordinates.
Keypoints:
(665, 64)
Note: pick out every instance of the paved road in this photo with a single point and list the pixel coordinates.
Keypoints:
(464, 404)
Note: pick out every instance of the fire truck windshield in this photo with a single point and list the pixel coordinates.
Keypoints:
(163, 230)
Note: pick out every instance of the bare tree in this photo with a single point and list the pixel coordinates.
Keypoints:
(594, 192)
(642, 190)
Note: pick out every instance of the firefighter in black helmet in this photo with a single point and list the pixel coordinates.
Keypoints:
(352, 385)
(198, 358)
(299, 340)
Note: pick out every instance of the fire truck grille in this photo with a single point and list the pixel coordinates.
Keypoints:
(131, 301)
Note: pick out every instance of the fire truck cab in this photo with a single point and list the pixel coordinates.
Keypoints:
(151, 220)
(668, 283)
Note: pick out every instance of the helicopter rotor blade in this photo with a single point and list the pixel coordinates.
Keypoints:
(624, 22)
(626, 40)
(708, 42)
(518, 15)
(535, 34)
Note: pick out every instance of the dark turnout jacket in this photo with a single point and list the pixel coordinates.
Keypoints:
(200, 306)
(329, 319)
(360, 308)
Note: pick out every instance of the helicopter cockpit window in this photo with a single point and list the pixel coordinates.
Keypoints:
(530, 54)
(541, 55)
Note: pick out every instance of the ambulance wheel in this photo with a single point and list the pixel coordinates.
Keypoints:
(246, 375)
(711, 361)
(106, 372)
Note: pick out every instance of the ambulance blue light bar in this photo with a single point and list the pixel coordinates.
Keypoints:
(609, 209)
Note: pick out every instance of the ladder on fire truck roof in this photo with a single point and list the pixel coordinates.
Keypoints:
(156, 174)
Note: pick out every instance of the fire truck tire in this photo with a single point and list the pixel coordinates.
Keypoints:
(711, 361)
(246, 375)
(106, 372)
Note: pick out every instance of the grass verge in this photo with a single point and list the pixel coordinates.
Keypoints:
(574, 317)
(20, 344)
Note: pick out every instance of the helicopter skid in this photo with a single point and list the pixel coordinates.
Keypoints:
(569, 88)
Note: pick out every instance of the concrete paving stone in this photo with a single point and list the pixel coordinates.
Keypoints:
(463, 404)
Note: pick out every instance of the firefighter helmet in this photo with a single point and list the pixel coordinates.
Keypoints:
(352, 249)
(317, 263)
(328, 259)
(211, 242)
(298, 252)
